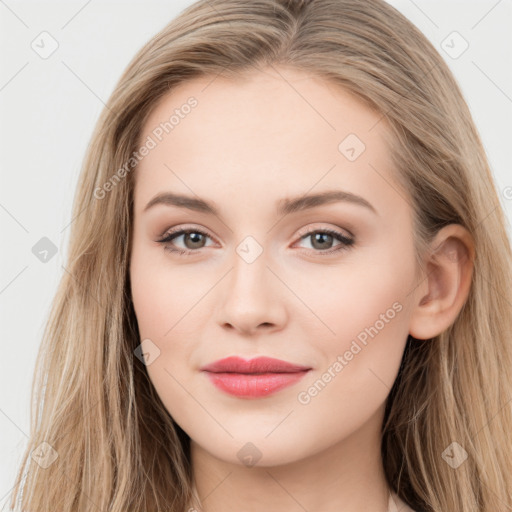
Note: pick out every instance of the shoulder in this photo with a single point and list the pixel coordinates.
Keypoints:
(397, 505)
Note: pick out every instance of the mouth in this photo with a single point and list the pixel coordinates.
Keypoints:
(255, 378)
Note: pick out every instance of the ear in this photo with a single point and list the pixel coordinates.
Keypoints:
(444, 289)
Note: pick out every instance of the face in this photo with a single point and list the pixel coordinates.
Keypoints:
(324, 284)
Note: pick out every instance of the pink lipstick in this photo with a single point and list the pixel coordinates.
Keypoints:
(255, 378)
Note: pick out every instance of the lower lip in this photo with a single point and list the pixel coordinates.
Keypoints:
(254, 386)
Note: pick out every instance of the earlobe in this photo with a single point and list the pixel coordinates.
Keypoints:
(446, 283)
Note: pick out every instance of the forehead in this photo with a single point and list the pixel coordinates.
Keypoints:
(276, 126)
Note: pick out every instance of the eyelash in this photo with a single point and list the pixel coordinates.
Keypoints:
(345, 242)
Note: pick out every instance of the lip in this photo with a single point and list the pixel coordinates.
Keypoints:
(262, 364)
(253, 378)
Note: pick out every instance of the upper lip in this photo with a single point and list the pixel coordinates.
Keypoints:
(235, 364)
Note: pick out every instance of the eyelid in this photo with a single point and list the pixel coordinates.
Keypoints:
(317, 226)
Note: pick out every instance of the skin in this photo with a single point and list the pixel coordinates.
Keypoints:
(248, 144)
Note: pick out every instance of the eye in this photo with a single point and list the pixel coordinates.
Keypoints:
(322, 240)
(193, 238)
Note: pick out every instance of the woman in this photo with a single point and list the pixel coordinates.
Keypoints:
(200, 356)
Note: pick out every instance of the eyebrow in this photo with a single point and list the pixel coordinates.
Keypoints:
(284, 206)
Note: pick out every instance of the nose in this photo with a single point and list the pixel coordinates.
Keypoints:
(252, 298)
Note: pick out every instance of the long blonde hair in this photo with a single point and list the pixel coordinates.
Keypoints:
(118, 447)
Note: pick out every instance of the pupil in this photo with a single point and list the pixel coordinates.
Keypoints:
(196, 238)
(319, 236)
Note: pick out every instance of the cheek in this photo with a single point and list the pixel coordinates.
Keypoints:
(162, 292)
(159, 305)
(353, 294)
(366, 308)
(360, 311)
(164, 296)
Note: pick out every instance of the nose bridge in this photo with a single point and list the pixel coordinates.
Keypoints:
(249, 274)
(251, 298)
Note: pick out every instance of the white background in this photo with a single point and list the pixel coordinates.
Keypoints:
(48, 108)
